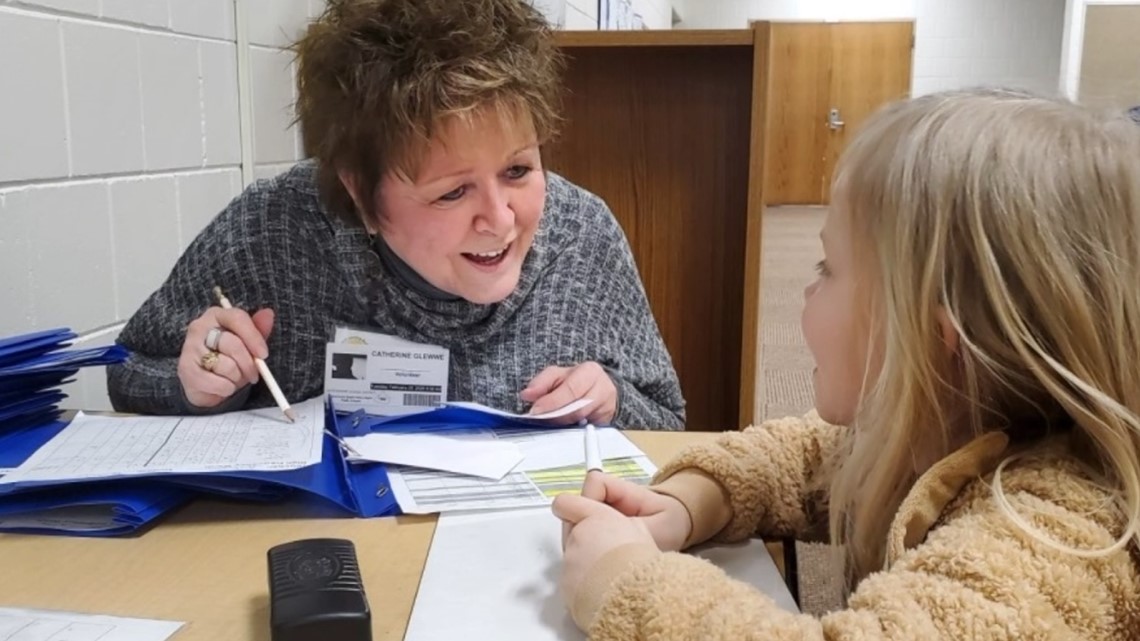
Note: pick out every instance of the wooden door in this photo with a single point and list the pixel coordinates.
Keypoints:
(850, 67)
(871, 66)
(800, 94)
(1110, 57)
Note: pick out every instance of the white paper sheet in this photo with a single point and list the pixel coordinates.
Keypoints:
(545, 416)
(20, 624)
(494, 576)
(104, 446)
(544, 449)
(554, 462)
(476, 453)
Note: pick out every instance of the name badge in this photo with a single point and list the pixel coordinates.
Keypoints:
(384, 375)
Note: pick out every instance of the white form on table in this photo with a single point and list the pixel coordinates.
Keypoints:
(494, 576)
(49, 625)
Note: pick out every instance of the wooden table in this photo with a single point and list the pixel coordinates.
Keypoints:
(206, 564)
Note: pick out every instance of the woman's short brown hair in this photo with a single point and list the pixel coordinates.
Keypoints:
(376, 76)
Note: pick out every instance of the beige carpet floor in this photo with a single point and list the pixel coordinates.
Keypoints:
(784, 387)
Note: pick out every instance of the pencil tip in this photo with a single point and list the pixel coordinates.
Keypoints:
(290, 415)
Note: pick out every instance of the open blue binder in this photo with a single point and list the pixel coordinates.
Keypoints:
(359, 489)
(352, 487)
(34, 366)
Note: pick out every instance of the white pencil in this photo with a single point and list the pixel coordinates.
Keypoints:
(266, 376)
(593, 454)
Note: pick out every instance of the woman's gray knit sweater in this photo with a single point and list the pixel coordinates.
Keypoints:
(579, 299)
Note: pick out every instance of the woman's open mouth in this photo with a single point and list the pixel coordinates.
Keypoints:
(489, 259)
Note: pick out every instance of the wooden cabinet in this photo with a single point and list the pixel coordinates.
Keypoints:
(668, 128)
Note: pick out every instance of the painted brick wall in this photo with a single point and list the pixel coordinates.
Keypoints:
(120, 138)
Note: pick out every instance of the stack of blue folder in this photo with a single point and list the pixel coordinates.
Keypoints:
(33, 367)
(33, 370)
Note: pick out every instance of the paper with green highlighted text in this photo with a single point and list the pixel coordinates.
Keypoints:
(554, 461)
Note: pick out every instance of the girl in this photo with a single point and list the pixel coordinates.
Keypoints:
(976, 331)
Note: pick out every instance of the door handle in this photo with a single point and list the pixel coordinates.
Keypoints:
(833, 121)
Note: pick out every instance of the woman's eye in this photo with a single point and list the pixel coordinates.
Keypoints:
(518, 171)
(453, 195)
(821, 268)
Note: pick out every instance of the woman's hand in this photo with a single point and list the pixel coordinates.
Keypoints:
(210, 376)
(557, 387)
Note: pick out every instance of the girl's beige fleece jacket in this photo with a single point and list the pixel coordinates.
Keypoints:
(956, 567)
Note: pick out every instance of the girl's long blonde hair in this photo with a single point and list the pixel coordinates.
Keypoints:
(1019, 217)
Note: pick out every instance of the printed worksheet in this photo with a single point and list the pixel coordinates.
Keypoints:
(104, 446)
(17, 624)
(553, 463)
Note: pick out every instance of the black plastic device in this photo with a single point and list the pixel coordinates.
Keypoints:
(315, 592)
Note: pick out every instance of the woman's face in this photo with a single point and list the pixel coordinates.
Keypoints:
(467, 220)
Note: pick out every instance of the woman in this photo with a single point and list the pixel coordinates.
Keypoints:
(424, 213)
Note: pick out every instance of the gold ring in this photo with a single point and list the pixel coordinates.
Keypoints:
(209, 361)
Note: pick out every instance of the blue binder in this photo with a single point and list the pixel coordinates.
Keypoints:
(360, 490)
(105, 509)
